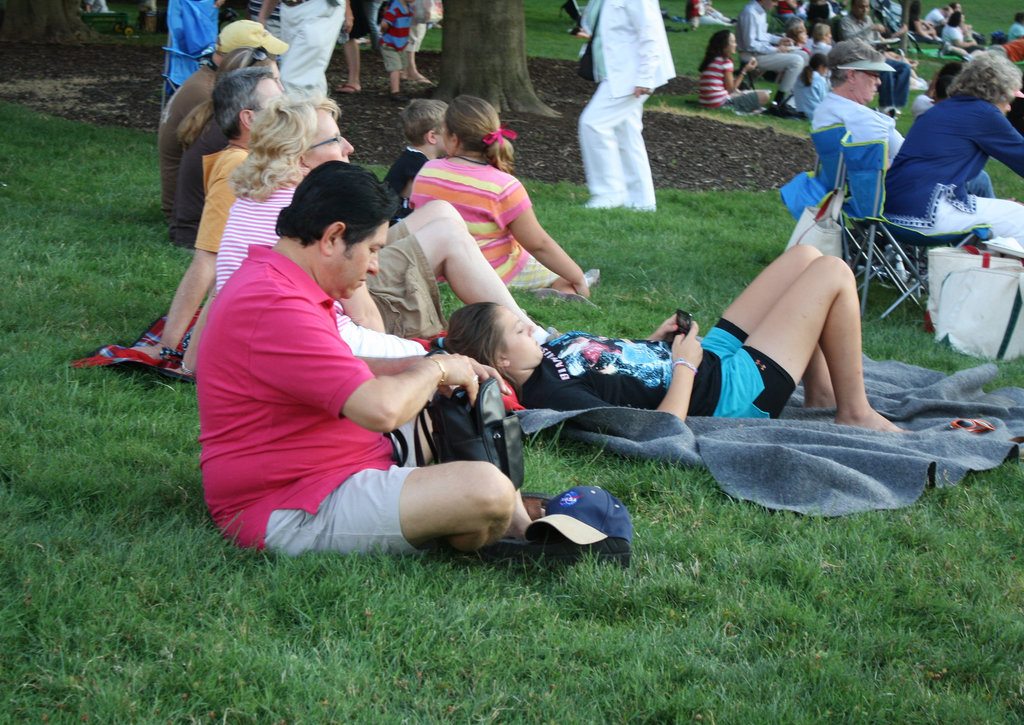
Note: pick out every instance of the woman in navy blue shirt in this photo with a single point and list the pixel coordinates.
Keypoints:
(925, 189)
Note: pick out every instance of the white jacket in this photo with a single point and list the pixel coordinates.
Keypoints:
(633, 46)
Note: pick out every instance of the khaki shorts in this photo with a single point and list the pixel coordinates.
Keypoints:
(417, 31)
(394, 59)
(360, 515)
(404, 288)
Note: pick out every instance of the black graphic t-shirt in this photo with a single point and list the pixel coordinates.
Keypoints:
(581, 371)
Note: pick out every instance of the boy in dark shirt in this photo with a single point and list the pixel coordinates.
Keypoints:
(422, 121)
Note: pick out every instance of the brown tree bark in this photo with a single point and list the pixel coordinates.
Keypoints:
(44, 21)
(483, 54)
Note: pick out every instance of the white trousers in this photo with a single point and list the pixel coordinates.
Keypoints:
(1004, 216)
(787, 65)
(310, 29)
(614, 156)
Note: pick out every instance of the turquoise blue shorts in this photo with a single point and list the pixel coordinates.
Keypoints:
(741, 380)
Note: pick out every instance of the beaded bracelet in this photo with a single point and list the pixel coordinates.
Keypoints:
(687, 363)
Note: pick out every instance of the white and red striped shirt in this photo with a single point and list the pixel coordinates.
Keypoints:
(254, 223)
(712, 82)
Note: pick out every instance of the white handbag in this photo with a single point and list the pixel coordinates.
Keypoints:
(980, 313)
(944, 260)
(819, 226)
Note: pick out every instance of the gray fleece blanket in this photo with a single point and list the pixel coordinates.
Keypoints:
(805, 462)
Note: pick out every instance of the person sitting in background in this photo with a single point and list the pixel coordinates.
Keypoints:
(854, 73)
(1017, 28)
(718, 86)
(895, 88)
(476, 178)
(197, 89)
(937, 89)
(293, 456)
(821, 38)
(771, 51)
(237, 98)
(953, 37)
(926, 188)
(200, 136)
(423, 124)
(920, 30)
(798, 319)
(937, 17)
(796, 31)
(812, 87)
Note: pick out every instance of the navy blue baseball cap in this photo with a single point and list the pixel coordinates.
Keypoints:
(584, 515)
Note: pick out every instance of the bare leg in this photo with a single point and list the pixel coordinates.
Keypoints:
(748, 311)
(351, 49)
(470, 503)
(411, 72)
(818, 392)
(454, 254)
(193, 287)
(821, 307)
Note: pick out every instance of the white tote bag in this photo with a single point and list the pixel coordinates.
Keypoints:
(980, 313)
(819, 226)
(944, 260)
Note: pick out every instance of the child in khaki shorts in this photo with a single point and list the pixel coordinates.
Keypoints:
(394, 37)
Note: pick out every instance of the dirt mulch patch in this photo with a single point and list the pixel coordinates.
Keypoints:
(119, 85)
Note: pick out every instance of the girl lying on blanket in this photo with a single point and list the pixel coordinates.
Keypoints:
(799, 319)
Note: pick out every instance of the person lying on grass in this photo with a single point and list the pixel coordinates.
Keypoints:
(293, 456)
(799, 319)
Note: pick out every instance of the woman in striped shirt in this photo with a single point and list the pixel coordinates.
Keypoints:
(718, 86)
(477, 180)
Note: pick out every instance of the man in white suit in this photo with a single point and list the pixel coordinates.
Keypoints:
(631, 59)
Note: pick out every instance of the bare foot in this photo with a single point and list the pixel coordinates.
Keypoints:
(152, 350)
(872, 420)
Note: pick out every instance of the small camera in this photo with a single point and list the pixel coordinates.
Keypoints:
(683, 322)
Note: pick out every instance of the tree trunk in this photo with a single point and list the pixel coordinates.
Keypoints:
(483, 54)
(44, 21)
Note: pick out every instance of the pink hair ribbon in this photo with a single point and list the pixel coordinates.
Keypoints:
(500, 135)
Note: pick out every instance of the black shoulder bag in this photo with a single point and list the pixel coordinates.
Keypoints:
(481, 432)
(586, 69)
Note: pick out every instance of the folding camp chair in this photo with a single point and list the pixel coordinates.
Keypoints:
(870, 248)
(886, 249)
(192, 34)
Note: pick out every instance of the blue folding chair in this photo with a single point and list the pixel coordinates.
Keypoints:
(884, 248)
(870, 246)
(192, 34)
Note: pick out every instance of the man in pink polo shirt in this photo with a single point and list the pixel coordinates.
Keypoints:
(294, 457)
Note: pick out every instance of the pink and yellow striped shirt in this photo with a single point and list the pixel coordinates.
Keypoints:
(488, 200)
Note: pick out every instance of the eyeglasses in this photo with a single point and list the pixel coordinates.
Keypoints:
(332, 139)
(872, 73)
(256, 55)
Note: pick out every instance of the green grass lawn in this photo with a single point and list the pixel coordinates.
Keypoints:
(121, 603)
